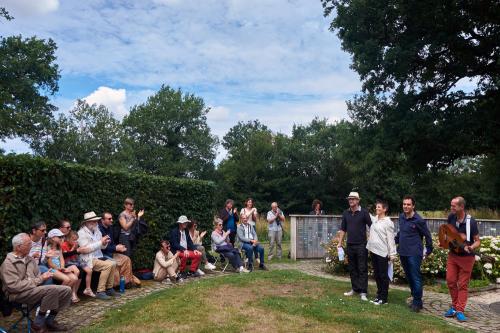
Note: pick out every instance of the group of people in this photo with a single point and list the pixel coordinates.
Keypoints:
(47, 268)
(375, 234)
(29, 271)
(229, 239)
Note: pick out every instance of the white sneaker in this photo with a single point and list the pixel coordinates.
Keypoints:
(167, 281)
(244, 270)
(257, 260)
(363, 297)
(199, 271)
(349, 293)
(209, 266)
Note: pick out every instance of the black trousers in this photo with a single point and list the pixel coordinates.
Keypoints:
(357, 256)
(380, 267)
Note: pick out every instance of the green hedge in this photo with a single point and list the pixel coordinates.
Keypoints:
(33, 189)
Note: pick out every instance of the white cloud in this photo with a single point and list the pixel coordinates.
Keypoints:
(30, 7)
(113, 99)
(218, 113)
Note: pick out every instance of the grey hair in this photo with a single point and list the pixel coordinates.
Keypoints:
(19, 239)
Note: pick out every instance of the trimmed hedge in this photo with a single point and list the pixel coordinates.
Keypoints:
(33, 189)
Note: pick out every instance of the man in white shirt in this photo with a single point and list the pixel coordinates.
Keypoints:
(275, 217)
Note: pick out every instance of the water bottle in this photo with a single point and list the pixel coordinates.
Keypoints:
(340, 252)
(122, 284)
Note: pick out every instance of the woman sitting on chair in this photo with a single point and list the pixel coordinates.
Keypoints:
(221, 245)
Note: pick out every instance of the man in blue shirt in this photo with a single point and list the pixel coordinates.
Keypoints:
(412, 228)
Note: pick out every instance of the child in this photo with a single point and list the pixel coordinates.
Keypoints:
(55, 261)
(70, 245)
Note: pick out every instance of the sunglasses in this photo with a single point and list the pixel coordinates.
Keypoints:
(129, 204)
(66, 227)
(42, 230)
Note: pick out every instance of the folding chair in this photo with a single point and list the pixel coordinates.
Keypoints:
(214, 250)
(25, 310)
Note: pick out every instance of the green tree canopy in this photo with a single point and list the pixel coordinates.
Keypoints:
(168, 135)
(28, 76)
(414, 58)
(89, 135)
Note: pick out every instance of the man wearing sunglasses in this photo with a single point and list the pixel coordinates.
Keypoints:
(39, 248)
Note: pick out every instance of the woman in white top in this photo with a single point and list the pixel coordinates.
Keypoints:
(250, 212)
(383, 249)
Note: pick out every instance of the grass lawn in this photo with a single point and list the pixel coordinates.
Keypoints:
(274, 301)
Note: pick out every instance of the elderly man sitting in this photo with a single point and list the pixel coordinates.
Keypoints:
(249, 242)
(90, 237)
(182, 244)
(23, 283)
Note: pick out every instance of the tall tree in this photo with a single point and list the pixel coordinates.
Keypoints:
(28, 76)
(89, 135)
(430, 72)
(168, 135)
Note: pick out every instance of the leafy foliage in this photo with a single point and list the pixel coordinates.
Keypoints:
(430, 74)
(168, 135)
(89, 135)
(28, 75)
(34, 189)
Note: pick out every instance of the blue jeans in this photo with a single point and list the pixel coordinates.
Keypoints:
(411, 266)
(249, 250)
(43, 269)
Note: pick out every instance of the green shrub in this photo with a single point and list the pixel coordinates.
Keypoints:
(33, 189)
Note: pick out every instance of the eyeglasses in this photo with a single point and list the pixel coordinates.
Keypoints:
(42, 230)
(129, 204)
(68, 227)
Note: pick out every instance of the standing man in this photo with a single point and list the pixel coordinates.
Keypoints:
(115, 252)
(275, 217)
(412, 228)
(459, 265)
(229, 217)
(181, 244)
(23, 283)
(355, 221)
(90, 237)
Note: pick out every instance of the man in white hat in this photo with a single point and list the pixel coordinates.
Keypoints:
(181, 243)
(355, 221)
(90, 237)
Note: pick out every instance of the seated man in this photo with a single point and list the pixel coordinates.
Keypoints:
(222, 245)
(182, 244)
(23, 283)
(114, 252)
(90, 237)
(249, 242)
(166, 264)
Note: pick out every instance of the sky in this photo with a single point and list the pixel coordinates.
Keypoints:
(271, 60)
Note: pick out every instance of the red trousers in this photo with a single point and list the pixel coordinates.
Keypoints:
(195, 260)
(458, 272)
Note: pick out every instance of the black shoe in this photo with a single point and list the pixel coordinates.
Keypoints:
(263, 267)
(250, 268)
(416, 308)
(183, 275)
(194, 274)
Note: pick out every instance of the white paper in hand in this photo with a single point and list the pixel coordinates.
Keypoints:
(390, 270)
(341, 254)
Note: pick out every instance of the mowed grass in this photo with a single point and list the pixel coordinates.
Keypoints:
(274, 301)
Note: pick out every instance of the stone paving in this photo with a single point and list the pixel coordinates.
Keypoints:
(481, 317)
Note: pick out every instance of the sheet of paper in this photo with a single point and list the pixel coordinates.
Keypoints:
(390, 270)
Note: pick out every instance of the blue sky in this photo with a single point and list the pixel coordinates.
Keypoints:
(272, 60)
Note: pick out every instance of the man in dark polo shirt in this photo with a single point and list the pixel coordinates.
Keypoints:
(412, 228)
(459, 265)
(354, 222)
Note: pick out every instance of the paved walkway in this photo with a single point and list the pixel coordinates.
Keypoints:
(481, 317)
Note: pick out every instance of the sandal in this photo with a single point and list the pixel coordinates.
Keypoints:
(75, 300)
(88, 292)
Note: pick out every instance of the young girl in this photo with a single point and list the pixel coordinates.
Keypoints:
(70, 245)
(55, 261)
